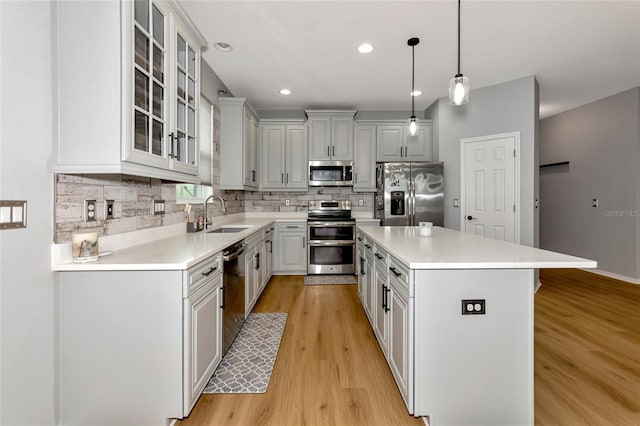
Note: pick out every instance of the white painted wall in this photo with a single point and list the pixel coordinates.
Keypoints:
(503, 108)
(601, 140)
(27, 320)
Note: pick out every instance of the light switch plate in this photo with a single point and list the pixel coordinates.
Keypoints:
(13, 214)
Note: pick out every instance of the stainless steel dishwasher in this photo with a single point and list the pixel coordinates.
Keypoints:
(233, 294)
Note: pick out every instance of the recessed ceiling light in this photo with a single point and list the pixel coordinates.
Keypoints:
(285, 92)
(223, 47)
(415, 93)
(365, 48)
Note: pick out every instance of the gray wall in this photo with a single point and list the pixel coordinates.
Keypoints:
(503, 108)
(27, 285)
(601, 142)
(211, 83)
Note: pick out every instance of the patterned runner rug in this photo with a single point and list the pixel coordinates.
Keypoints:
(330, 279)
(247, 366)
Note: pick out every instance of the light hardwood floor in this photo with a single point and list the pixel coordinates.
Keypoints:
(330, 370)
(587, 350)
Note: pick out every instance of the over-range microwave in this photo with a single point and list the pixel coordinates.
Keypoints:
(330, 173)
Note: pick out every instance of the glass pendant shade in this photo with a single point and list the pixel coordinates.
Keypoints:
(459, 90)
(413, 125)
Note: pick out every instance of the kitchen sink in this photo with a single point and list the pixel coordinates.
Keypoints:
(229, 230)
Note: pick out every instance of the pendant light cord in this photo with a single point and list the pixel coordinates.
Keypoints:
(459, 37)
(413, 72)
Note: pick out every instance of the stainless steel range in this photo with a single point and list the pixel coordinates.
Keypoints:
(331, 234)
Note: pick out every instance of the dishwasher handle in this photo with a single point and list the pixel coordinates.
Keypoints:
(231, 256)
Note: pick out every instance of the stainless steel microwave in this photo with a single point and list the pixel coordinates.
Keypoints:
(330, 173)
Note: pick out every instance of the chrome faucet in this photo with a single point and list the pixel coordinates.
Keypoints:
(207, 222)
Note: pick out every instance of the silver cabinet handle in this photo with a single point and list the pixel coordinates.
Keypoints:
(210, 271)
(304, 242)
(334, 150)
(287, 179)
(328, 151)
(406, 151)
(282, 178)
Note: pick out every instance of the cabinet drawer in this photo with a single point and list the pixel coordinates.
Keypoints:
(201, 272)
(292, 227)
(399, 272)
(381, 259)
(254, 239)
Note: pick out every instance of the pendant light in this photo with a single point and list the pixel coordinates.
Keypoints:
(459, 85)
(413, 122)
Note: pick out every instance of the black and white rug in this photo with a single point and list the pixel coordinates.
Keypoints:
(247, 366)
(330, 279)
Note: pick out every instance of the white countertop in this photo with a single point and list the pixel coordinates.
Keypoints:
(176, 252)
(170, 248)
(451, 249)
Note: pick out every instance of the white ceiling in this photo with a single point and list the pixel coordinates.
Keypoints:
(579, 51)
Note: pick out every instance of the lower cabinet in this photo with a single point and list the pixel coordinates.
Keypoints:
(382, 308)
(268, 254)
(148, 339)
(369, 280)
(400, 350)
(203, 338)
(291, 248)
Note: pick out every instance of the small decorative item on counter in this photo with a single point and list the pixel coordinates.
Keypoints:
(200, 223)
(84, 247)
(425, 228)
(192, 227)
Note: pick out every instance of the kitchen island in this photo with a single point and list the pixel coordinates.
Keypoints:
(453, 313)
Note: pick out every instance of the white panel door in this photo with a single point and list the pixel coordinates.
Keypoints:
(296, 157)
(319, 138)
(272, 147)
(489, 198)
(342, 138)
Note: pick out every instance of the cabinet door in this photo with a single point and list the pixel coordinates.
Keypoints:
(319, 138)
(342, 138)
(390, 142)
(292, 251)
(203, 339)
(296, 157)
(364, 159)
(400, 349)
(151, 86)
(272, 144)
(258, 269)
(419, 147)
(381, 318)
(249, 278)
(251, 150)
(268, 260)
(369, 283)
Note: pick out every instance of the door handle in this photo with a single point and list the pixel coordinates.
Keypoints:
(471, 217)
(222, 304)
(384, 297)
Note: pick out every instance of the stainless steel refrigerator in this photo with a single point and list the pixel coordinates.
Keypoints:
(409, 193)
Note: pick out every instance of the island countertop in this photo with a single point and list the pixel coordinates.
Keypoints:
(451, 249)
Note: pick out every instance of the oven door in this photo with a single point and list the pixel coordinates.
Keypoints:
(331, 231)
(331, 257)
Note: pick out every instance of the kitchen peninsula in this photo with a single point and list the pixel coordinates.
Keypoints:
(453, 314)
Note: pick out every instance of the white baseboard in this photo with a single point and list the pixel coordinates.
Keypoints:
(538, 285)
(612, 275)
(425, 419)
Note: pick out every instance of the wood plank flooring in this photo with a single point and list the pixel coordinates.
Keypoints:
(587, 350)
(330, 370)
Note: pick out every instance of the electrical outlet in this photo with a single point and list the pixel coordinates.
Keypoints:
(594, 202)
(287, 202)
(91, 210)
(158, 207)
(473, 307)
(109, 209)
(361, 202)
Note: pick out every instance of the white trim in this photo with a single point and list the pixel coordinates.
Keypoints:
(425, 419)
(516, 176)
(537, 286)
(612, 275)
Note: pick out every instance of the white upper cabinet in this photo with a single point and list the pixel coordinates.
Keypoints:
(283, 149)
(238, 145)
(330, 135)
(364, 163)
(396, 144)
(128, 89)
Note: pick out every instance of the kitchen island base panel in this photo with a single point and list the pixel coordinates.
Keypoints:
(474, 369)
(120, 347)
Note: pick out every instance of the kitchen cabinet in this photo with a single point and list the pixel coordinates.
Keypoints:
(364, 163)
(145, 71)
(291, 248)
(400, 351)
(381, 300)
(394, 143)
(156, 336)
(360, 268)
(330, 135)
(203, 337)
(369, 281)
(238, 145)
(253, 270)
(268, 253)
(283, 154)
